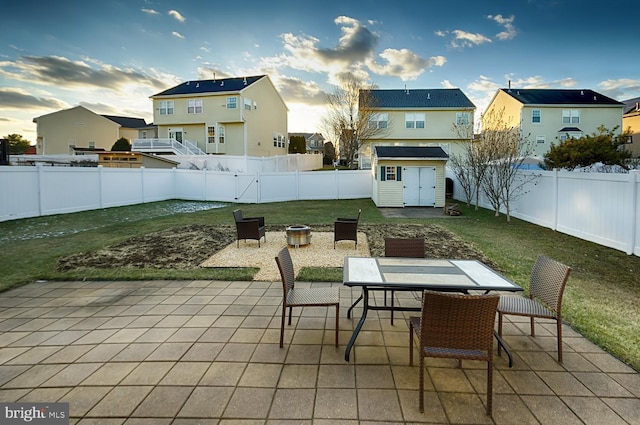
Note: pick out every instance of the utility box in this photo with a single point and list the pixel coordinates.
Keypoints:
(4, 151)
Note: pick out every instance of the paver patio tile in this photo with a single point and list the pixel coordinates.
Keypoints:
(298, 376)
(509, 409)
(235, 352)
(206, 402)
(102, 353)
(336, 404)
(31, 377)
(564, 384)
(293, 404)
(72, 375)
(148, 373)
(169, 351)
(627, 408)
(185, 373)
(464, 408)
(223, 374)
(82, 399)
(593, 411)
(261, 375)
(135, 352)
(260, 400)
(450, 379)
(526, 382)
(433, 410)
(26, 355)
(602, 384)
(380, 405)
(203, 352)
(336, 376)
(163, 401)
(110, 373)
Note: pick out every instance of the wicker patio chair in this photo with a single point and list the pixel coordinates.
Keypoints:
(396, 247)
(457, 326)
(546, 288)
(303, 297)
(346, 229)
(249, 227)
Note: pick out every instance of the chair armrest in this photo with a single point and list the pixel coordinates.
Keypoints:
(348, 220)
(260, 220)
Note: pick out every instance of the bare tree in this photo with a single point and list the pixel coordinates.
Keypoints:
(505, 150)
(350, 114)
(470, 166)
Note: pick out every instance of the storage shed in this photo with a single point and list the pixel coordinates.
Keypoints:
(409, 176)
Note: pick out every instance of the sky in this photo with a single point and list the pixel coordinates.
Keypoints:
(110, 56)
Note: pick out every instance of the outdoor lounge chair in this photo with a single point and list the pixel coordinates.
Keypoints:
(249, 227)
(546, 287)
(456, 326)
(303, 297)
(346, 229)
(396, 247)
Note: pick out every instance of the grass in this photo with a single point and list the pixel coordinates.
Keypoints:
(601, 300)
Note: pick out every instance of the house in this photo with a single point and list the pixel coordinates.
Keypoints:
(314, 142)
(631, 120)
(546, 116)
(234, 116)
(407, 176)
(423, 117)
(62, 131)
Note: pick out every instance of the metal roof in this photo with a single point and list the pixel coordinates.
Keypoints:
(211, 86)
(411, 152)
(422, 98)
(560, 97)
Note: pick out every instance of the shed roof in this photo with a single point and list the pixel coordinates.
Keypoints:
(421, 98)
(411, 152)
(560, 97)
(127, 122)
(211, 86)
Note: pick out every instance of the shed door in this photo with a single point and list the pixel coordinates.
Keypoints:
(419, 186)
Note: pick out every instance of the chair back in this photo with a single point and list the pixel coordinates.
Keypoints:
(287, 274)
(458, 321)
(548, 280)
(237, 215)
(396, 247)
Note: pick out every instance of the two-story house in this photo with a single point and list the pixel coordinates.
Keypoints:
(631, 121)
(423, 117)
(546, 116)
(78, 128)
(234, 116)
(314, 142)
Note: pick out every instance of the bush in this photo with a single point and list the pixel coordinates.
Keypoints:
(121, 145)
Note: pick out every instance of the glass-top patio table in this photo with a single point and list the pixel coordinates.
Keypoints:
(416, 274)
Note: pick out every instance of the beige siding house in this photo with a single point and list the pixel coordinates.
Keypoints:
(409, 176)
(423, 117)
(234, 116)
(631, 120)
(62, 131)
(546, 116)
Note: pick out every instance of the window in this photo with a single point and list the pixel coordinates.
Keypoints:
(255, 105)
(92, 144)
(463, 118)
(278, 140)
(540, 140)
(536, 116)
(390, 173)
(570, 116)
(414, 120)
(211, 134)
(232, 102)
(221, 134)
(166, 107)
(247, 104)
(194, 106)
(378, 121)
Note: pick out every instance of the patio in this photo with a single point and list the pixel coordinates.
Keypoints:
(187, 352)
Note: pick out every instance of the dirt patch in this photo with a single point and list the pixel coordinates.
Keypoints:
(187, 247)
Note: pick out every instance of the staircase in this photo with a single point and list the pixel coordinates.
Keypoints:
(165, 146)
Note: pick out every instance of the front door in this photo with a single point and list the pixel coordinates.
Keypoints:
(419, 186)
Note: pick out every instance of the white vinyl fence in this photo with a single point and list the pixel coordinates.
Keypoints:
(598, 207)
(27, 191)
(602, 208)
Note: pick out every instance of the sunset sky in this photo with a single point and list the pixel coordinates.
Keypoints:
(110, 56)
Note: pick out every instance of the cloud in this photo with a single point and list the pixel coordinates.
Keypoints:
(176, 15)
(621, 89)
(463, 39)
(447, 84)
(295, 90)
(67, 74)
(177, 35)
(509, 30)
(150, 12)
(354, 52)
(14, 98)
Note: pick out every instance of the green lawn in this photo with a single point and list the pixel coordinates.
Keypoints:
(601, 301)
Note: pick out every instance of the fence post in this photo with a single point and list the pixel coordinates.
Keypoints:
(142, 178)
(633, 208)
(40, 169)
(555, 202)
(101, 185)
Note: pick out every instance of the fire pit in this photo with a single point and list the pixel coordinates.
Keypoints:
(298, 234)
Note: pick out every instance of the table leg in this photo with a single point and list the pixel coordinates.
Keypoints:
(353, 305)
(504, 347)
(356, 331)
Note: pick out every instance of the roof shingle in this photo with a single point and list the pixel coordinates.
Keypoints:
(421, 98)
(211, 86)
(560, 97)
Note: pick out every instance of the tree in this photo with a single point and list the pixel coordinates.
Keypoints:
(329, 153)
(349, 117)
(601, 146)
(17, 144)
(297, 144)
(471, 164)
(121, 145)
